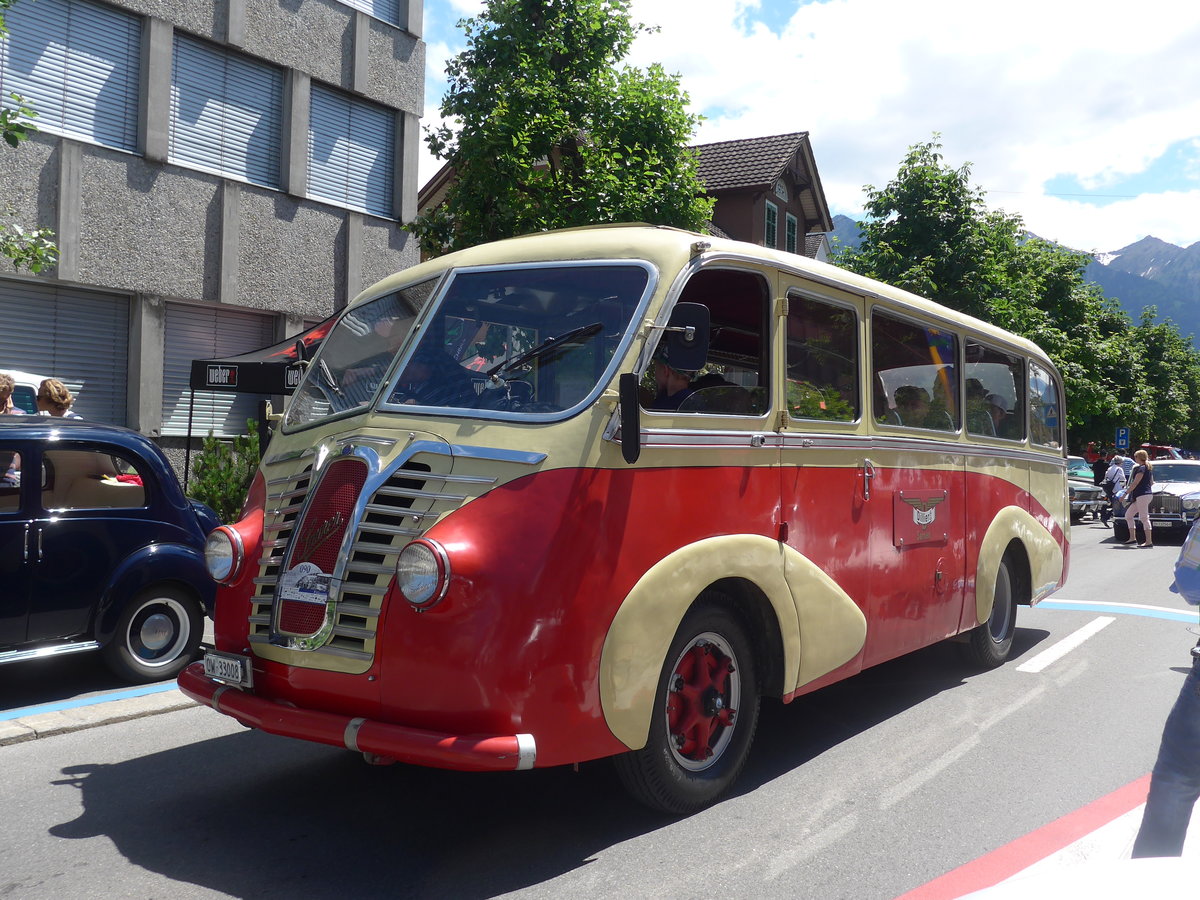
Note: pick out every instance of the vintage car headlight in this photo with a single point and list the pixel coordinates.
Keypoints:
(423, 573)
(223, 554)
(1191, 504)
(1071, 491)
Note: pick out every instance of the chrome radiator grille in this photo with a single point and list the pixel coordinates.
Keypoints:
(398, 510)
(1166, 503)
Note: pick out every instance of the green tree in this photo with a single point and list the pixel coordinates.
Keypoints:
(930, 231)
(28, 249)
(223, 470)
(547, 132)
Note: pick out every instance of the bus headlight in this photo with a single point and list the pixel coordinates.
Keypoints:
(223, 554)
(423, 573)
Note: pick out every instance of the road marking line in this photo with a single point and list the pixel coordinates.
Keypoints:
(1065, 646)
(1020, 854)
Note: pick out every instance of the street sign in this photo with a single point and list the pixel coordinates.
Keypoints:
(1122, 441)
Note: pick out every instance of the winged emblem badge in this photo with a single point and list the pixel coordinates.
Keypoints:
(924, 513)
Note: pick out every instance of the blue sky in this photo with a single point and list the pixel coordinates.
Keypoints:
(1081, 116)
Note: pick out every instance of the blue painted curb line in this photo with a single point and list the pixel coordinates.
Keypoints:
(27, 711)
(1122, 609)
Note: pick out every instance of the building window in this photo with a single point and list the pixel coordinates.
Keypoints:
(386, 10)
(771, 233)
(791, 230)
(225, 113)
(77, 64)
(351, 152)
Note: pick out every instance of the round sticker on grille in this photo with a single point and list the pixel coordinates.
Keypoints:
(303, 592)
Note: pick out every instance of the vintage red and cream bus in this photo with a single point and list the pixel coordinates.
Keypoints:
(593, 493)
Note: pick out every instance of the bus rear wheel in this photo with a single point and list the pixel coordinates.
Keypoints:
(989, 644)
(704, 717)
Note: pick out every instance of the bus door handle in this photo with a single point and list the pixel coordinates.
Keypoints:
(868, 474)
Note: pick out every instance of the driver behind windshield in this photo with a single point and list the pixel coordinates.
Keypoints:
(433, 378)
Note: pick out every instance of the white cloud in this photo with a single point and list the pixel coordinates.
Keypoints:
(1026, 91)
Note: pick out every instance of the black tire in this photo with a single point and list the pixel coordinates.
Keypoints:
(704, 718)
(157, 634)
(989, 644)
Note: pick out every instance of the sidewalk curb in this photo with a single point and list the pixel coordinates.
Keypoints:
(48, 724)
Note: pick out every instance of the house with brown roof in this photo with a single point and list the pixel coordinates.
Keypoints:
(767, 192)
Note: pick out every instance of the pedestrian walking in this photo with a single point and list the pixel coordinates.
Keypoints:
(1113, 483)
(1175, 781)
(1137, 495)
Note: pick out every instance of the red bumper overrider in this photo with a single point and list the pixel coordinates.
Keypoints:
(464, 752)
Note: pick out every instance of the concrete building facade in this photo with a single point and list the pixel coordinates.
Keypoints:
(218, 174)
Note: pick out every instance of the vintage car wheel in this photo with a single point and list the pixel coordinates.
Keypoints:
(989, 644)
(705, 713)
(157, 635)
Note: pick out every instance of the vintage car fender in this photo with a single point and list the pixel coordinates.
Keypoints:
(820, 626)
(153, 564)
(1045, 555)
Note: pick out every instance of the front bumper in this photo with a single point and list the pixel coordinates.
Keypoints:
(381, 740)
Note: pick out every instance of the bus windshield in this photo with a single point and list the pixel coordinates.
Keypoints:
(510, 342)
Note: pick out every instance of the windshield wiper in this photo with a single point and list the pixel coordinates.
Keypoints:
(329, 379)
(546, 346)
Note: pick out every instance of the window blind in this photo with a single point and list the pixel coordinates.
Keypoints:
(350, 152)
(77, 63)
(226, 113)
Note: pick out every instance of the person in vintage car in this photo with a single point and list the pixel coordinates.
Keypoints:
(99, 550)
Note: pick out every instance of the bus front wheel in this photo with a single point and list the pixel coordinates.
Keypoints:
(704, 716)
(989, 644)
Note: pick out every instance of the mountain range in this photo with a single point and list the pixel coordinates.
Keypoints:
(1149, 272)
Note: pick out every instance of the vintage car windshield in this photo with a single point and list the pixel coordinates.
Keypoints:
(1176, 472)
(511, 342)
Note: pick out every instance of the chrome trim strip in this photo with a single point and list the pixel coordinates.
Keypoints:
(521, 457)
(13, 656)
(290, 454)
(270, 560)
(371, 590)
(350, 737)
(271, 580)
(278, 527)
(366, 568)
(350, 608)
(353, 631)
(285, 510)
(259, 620)
(416, 495)
(216, 697)
(378, 549)
(397, 529)
(526, 752)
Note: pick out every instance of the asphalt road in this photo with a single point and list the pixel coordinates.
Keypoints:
(864, 790)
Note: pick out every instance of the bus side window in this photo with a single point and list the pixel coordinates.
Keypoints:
(735, 380)
(822, 360)
(914, 370)
(995, 392)
(1045, 408)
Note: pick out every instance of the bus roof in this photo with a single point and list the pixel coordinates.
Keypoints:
(669, 249)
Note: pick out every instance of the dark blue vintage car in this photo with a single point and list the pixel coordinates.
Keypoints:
(99, 549)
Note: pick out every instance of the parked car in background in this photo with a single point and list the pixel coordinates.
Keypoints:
(25, 388)
(1162, 451)
(1086, 497)
(99, 549)
(1176, 499)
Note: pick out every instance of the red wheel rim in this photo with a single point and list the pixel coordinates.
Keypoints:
(703, 695)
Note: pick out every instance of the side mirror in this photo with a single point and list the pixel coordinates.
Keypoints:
(687, 336)
(631, 417)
